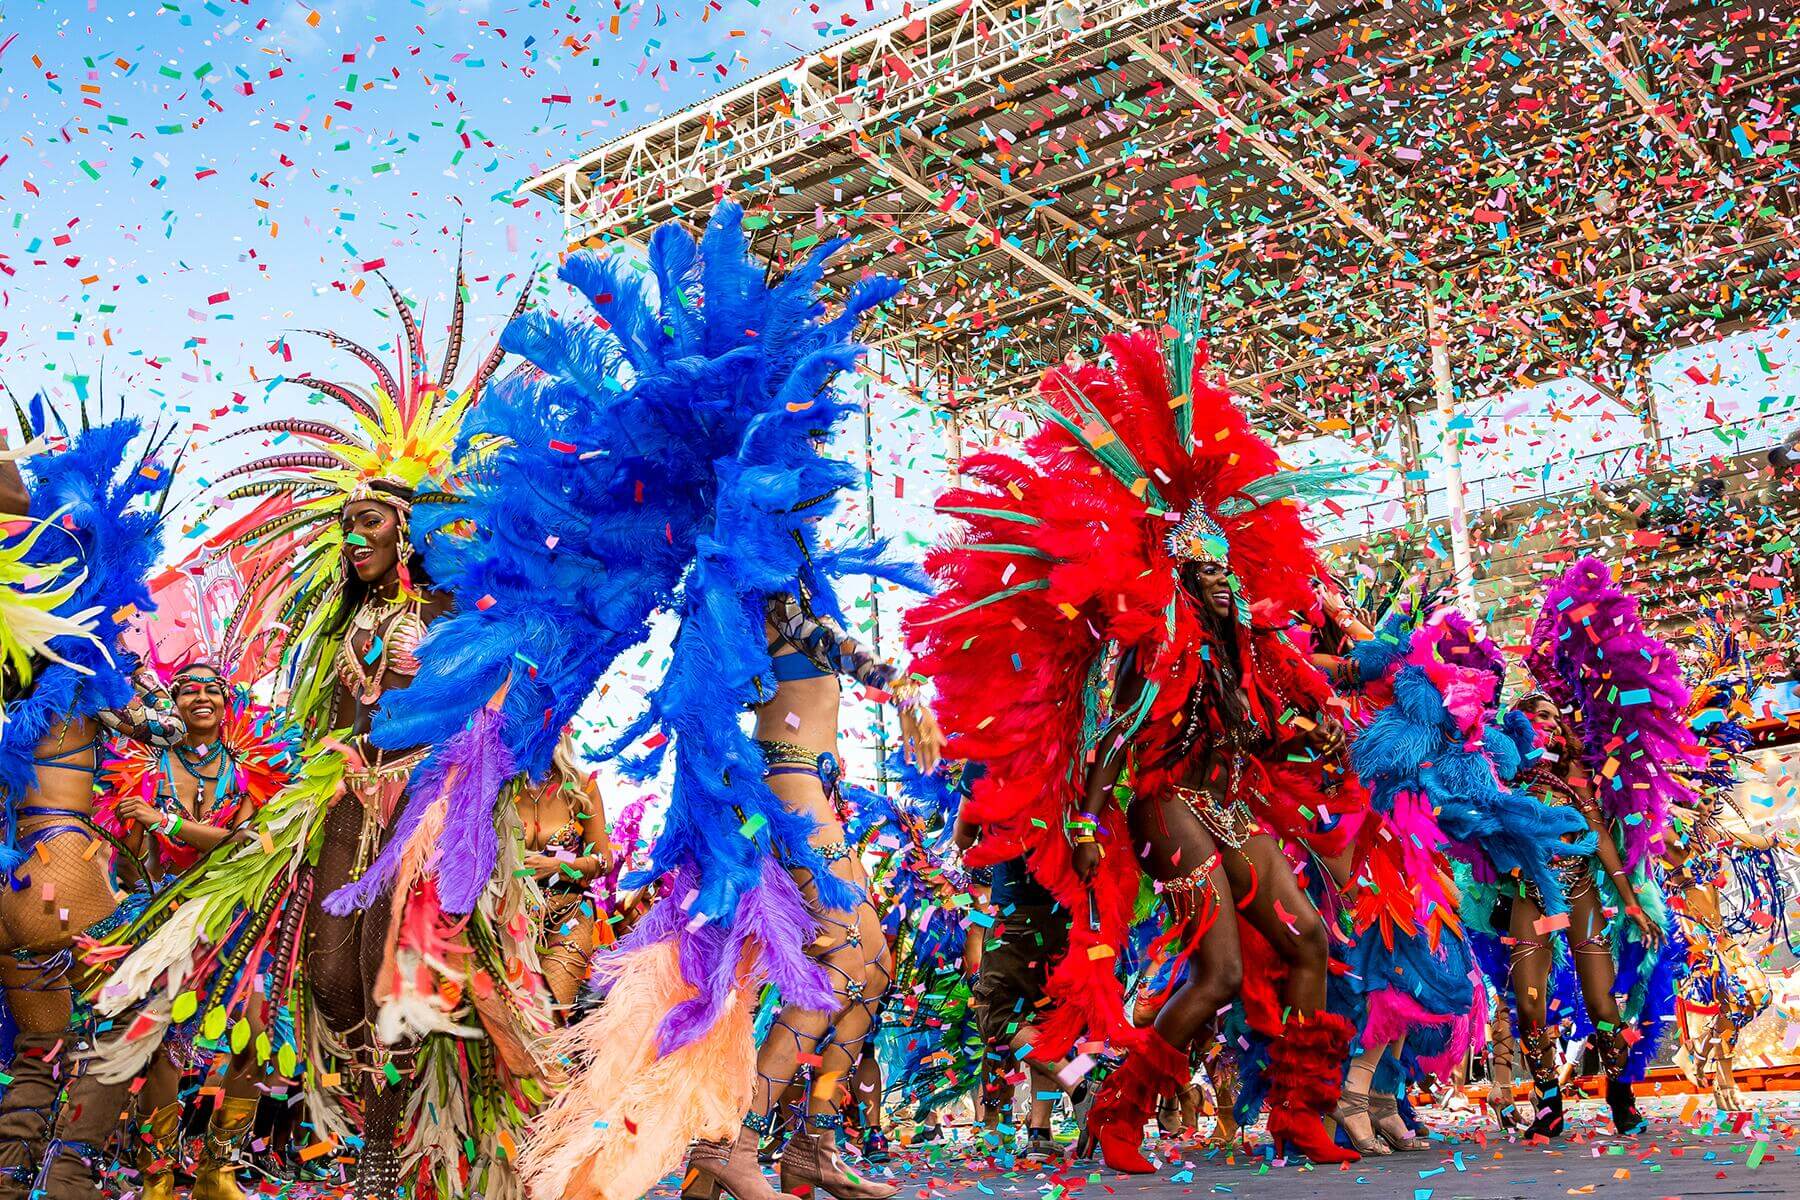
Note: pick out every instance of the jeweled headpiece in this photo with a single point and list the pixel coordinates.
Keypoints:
(1198, 538)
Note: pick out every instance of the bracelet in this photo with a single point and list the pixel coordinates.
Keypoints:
(904, 692)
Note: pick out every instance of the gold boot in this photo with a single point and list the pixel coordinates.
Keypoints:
(215, 1178)
(156, 1156)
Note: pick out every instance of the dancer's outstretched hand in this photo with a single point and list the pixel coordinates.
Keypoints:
(924, 740)
(1647, 929)
(1085, 859)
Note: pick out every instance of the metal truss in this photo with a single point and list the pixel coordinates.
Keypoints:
(878, 79)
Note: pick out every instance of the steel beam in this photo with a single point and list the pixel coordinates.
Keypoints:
(1565, 11)
(893, 169)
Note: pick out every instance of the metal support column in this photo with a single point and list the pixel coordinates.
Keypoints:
(1654, 456)
(956, 447)
(1461, 558)
(881, 720)
(1412, 467)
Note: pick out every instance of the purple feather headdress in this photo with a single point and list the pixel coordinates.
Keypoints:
(1591, 654)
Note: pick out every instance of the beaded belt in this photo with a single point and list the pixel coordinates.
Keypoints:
(1232, 824)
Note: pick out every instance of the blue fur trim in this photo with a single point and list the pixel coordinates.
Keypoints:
(1392, 643)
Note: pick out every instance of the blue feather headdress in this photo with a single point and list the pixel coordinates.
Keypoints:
(661, 453)
(101, 503)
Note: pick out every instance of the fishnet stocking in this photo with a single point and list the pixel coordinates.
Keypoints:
(850, 1033)
(384, 1109)
(342, 959)
(60, 892)
(568, 941)
(333, 959)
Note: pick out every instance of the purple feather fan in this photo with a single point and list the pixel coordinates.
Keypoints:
(1590, 653)
(773, 915)
(475, 766)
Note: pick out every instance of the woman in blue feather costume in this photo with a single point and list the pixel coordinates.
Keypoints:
(664, 453)
(73, 567)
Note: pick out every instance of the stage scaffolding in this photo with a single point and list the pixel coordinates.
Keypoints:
(1376, 209)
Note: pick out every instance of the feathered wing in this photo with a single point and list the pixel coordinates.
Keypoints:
(99, 494)
(661, 452)
(659, 455)
(1590, 652)
(32, 596)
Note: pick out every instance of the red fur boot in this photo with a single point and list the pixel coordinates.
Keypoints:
(1128, 1099)
(1306, 1069)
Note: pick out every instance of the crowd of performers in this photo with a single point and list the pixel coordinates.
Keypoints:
(1182, 831)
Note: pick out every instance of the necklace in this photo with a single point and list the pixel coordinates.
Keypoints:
(386, 622)
(197, 763)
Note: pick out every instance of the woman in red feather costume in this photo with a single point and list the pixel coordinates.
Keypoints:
(1117, 602)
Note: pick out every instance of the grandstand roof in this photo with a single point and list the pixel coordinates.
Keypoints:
(1576, 182)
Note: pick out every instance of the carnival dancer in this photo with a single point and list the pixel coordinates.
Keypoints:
(665, 453)
(1711, 845)
(1428, 757)
(169, 806)
(1149, 546)
(72, 572)
(566, 849)
(1622, 771)
(344, 574)
(1724, 981)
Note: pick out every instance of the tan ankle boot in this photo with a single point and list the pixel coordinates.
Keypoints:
(216, 1176)
(811, 1160)
(730, 1167)
(156, 1156)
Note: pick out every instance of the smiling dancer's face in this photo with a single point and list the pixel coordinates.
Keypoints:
(200, 699)
(1547, 722)
(371, 540)
(1208, 584)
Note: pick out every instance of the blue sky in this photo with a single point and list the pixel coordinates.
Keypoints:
(182, 184)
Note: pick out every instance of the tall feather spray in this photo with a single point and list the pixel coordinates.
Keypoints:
(660, 454)
(1061, 553)
(1590, 652)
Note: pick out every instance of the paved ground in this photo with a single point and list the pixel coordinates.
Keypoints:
(1686, 1153)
